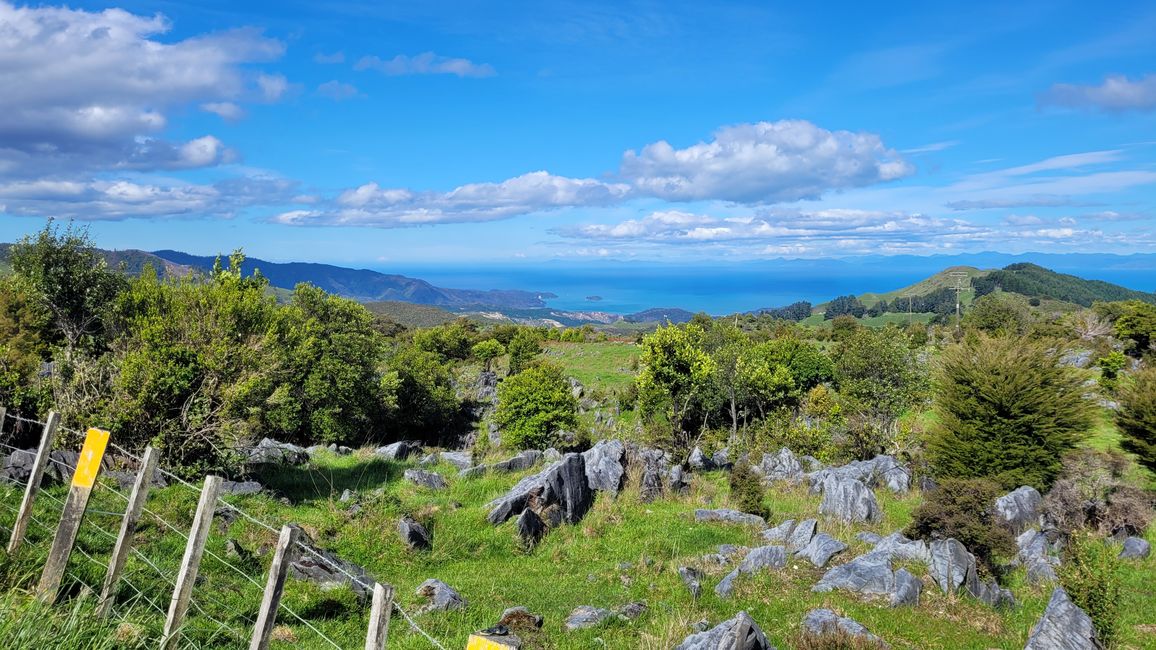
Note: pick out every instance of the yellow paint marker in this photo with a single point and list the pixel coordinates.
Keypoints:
(88, 466)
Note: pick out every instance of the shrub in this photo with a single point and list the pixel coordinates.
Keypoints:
(964, 509)
(1137, 416)
(535, 404)
(747, 490)
(523, 348)
(1090, 493)
(1110, 367)
(1090, 573)
(1007, 410)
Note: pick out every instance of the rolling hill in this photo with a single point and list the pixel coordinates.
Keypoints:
(1037, 282)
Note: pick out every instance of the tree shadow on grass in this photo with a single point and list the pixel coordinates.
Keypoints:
(304, 483)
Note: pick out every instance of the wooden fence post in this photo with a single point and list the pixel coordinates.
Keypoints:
(132, 512)
(83, 480)
(191, 562)
(267, 616)
(20, 526)
(379, 613)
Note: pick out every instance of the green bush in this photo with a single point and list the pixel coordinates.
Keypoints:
(747, 490)
(534, 405)
(964, 509)
(1007, 410)
(1110, 367)
(1090, 573)
(1137, 416)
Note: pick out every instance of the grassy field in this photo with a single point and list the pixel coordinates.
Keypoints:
(609, 365)
(623, 551)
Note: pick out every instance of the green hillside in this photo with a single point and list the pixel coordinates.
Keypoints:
(1037, 282)
(411, 314)
(942, 280)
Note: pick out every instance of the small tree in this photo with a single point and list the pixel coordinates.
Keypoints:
(1137, 416)
(747, 490)
(1090, 574)
(880, 377)
(1007, 410)
(535, 404)
(488, 350)
(675, 371)
(523, 348)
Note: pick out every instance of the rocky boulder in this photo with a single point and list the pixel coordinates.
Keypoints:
(1135, 548)
(441, 596)
(758, 559)
(692, 578)
(801, 535)
(400, 450)
(848, 500)
(1034, 556)
(238, 488)
(562, 484)
(823, 622)
(585, 616)
(531, 529)
(459, 459)
(1063, 626)
(328, 570)
(18, 466)
(896, 546)
(1019, 509)
(271, 452)
(865, 574)
(783, 465)
(727, 635)
(605, 466)
(881, 471)
(729, 516)
(414, 535)
(820, 549)
(431, 480)
(952, 566)
(907, 589)
(522, 461)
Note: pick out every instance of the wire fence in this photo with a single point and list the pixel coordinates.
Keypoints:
(202, 596)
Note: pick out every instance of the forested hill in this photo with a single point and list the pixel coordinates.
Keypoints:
(132, 261)
(366, 285)
(1037, 282)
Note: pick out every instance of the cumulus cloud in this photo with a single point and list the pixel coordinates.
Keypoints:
(373, 205)
(1116, 93)
(427, 63)
(91, 91)
(225, 110)
(764, 162)
(338, 91)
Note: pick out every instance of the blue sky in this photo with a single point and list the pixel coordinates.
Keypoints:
(398, 133)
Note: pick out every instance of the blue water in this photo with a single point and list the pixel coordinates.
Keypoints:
(724, 288)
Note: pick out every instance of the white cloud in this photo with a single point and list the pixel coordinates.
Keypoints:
(1023, 220)
(373, 205)
(427, 63)
(765, 162)
(1116, 93)
(273, 86)
(933, 147)
(225, 110)
(338, 91)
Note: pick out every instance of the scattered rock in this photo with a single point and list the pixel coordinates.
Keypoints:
(442, 597)
(780, 533)
(952, 566)
(562, 484)
(820, 549)
(821, 622)
(531, 529)
(1033, 554)
(486, 390)
(431, 480)
(1063, 626)
(881, 471)
(763, 557)
(234, 550)
(896, 545)
(927, 484)
(724, 635)
(677, 480)
(801, 535)
(18, 466)
(780, 466)
(1135, 548)
(346, 496)
(400, 450)
(1020, 508)
(576, 387)
(520, 617)
(721, 459)
(473, 472)
(414, 535)
(869, 537)
(698, 460)
(907, 589)
(631, 611)
(551, 455)
(328, 570)
(848, 500)
(866, 574)
(241, 488)
(522, 461)
(651, 483)
(729, 516)
(271, 452)
(585, 616)
(605, 470)
(692, 578)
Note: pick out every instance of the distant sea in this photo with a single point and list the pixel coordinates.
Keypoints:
(725, 288)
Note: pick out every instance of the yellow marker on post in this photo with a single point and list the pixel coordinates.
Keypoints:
(88, 466)
(484, 642)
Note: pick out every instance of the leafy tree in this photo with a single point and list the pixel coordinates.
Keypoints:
(427, 406)
(675, 370)
(807, 364)
(70, 278)
(998, 313)
(726, 344)
(23, 321)
(487, 350)
(879, 376)
(1007, 410)
(1137, 324)
(1110, 367)
(768, 382)
(523, 348)
(795, 311)
(1136, 418)
(535, 404)
(844, 306)
(450, 341)
(843, 327)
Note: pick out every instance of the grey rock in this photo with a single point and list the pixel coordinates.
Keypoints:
(346, 496)
(1033, 555)
(531, 529)
(400, 450)
(865, 574)
(1135, 548)
(780, 533)
(907, 589)
(927, 484)
(993, 595)
(241, 488)
(459, 459)
(848, 500)
(952, 566)
(721, 459)
(820, 549)
(1077, 358)
(758, 559)
(271, 452)
(692, 578)
(551, 455)
(881, 471)
(677, 480)
(891, 475)
(328, 570)
(810, 463)
(431, 480)
(729, 516)
(486, 390)
(781, 466)
(562, 484)
(820, 622)
(731, 550)
(473, 472)
(585, 616)
(1063, 626)
(651, 482)
(631, 611)
(441, 596)
(522, 461)
(576, 387)
(234, 550)
(869, 537)
(723, 636)
(18, 466)
(414, 535)
(896, 545)
(801, 535)
(698, 460)
(605, 466)
(1020, 508)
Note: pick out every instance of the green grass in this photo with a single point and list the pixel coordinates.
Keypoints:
(607, 366)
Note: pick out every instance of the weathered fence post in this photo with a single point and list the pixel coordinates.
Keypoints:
(3, 414)
(20, 526)
(379, 613)
(132, 512)
(267, 616)
(191, 562)
(83, 480)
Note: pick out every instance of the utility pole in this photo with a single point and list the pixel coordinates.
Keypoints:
(958, 281)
